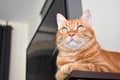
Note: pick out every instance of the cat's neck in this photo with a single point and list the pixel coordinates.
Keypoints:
(90, 50)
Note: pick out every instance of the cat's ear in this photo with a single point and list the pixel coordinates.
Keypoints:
(60, 19)
(86, 16)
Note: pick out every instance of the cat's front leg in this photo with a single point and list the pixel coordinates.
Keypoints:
(68, 68)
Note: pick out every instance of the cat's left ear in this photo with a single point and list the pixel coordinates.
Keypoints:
(87, 17)
(60, 19)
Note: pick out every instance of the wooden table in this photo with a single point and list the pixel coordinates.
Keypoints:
(84, 75)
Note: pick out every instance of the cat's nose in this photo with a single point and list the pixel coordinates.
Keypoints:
(71, 34)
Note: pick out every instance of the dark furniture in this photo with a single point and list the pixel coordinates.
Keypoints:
(41, 57)
(87, 75)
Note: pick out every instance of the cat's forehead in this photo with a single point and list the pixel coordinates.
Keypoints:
(72, 23)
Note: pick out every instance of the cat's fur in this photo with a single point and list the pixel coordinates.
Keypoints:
(79, 50)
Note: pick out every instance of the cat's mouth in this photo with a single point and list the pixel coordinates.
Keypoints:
(74, 40)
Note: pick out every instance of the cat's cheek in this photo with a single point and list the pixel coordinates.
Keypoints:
(60, 39)
(67, 39)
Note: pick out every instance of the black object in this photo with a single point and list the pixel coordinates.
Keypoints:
(41, 66)
(5, 42)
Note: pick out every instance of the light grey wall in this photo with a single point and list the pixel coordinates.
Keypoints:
(35, 19)
(106, 21)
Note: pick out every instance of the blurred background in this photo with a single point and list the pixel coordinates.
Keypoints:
(34, 28)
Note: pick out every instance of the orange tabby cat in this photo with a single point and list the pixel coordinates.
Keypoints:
(79, 50)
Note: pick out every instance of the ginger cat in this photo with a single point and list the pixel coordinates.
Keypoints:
(79, 50)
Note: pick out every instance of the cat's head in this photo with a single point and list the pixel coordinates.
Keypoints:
(74, 34)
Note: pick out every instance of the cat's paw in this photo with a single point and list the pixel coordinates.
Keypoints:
(60, 76)
(66, 69)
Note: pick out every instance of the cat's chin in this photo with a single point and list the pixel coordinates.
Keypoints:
(74, 45)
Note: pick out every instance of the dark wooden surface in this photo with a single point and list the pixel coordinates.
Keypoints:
(78, 75)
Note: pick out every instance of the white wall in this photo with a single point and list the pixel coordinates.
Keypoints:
(19, 44)
(18, 51)
(35, 19)
(22, 34)
(106, 21)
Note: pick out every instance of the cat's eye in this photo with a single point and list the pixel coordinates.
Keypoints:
(80, 27)
(64, 29)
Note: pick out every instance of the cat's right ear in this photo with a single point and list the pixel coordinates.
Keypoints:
(60, 20)
(87, 17)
